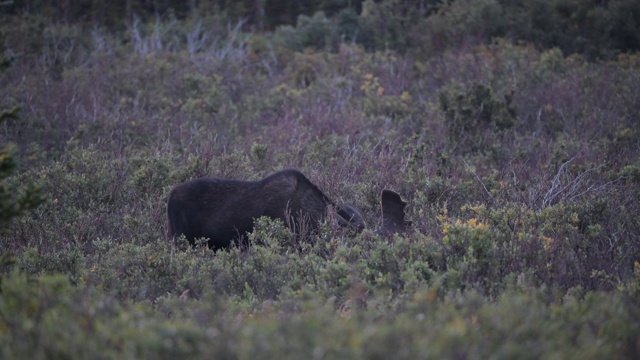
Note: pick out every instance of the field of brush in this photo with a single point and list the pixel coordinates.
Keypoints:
(519, 162)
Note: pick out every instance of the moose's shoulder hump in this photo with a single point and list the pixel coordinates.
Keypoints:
(289, 176)
(190, 185)
(292, 173)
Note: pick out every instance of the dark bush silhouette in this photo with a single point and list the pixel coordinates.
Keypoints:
(224, 210)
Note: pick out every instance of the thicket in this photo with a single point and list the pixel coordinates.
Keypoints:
(593, 28)
(518, 158)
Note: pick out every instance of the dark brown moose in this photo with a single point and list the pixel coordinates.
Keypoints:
(223, 211)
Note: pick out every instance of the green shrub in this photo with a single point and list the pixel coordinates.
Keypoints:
(16, 195)
(474, 117)
(310, 32)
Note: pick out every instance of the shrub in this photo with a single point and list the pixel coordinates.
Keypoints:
(16, 195)
(474, 117)
(310, 32)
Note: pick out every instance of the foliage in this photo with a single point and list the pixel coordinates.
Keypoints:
(15, 199)
(594, 29)
(47, 317)
(16, 195)
(518, 159)
(470, 114)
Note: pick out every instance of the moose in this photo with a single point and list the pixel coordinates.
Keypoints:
(223, 211)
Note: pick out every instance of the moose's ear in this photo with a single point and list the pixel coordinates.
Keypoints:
(392, 213)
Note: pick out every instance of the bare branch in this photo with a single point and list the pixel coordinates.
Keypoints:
(479, 180)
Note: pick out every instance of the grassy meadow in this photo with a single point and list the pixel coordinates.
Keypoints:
(518, 156)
